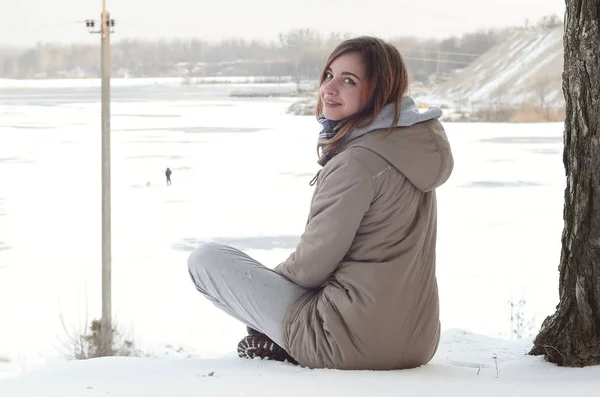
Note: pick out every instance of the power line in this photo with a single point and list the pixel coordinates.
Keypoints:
(437, 60)
(440, 52)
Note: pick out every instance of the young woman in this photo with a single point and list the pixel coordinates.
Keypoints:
(360, 290)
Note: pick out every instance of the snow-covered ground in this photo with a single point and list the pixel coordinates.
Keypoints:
(464, 366)
(241, 169)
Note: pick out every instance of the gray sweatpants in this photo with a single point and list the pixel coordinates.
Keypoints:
(242, 287)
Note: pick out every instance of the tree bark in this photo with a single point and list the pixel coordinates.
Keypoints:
(571, 336)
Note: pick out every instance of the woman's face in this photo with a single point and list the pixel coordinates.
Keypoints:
(341, 91)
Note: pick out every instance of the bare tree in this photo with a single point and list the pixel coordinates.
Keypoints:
(571, 336)
(550, 22)
(542, 88)
(297, 42)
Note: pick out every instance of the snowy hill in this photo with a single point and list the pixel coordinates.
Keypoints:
(465, 365)
(524, 68)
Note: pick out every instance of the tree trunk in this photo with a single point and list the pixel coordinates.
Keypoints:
(571, 336)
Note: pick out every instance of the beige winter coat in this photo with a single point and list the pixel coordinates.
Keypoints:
(368, 254)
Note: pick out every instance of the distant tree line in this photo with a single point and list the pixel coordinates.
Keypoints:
(299, 53)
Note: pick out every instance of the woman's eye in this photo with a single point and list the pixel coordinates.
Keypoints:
(349, 81)
(328, 75)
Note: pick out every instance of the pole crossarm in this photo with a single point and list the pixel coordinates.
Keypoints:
(95, 26)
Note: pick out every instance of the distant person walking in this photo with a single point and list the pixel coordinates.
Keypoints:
(168, 173)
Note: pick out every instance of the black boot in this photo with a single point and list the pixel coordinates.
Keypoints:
(259, 345)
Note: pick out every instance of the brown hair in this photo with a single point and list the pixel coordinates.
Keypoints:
(387, 82)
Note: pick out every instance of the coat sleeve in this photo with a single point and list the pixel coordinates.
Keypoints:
(336, 211)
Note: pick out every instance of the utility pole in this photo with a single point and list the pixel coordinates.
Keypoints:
(106, 28)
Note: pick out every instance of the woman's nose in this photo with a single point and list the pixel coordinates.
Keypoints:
(329, 87)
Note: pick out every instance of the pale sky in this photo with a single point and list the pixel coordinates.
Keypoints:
(25, 22)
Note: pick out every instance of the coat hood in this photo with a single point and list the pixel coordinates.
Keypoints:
(418, 147)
